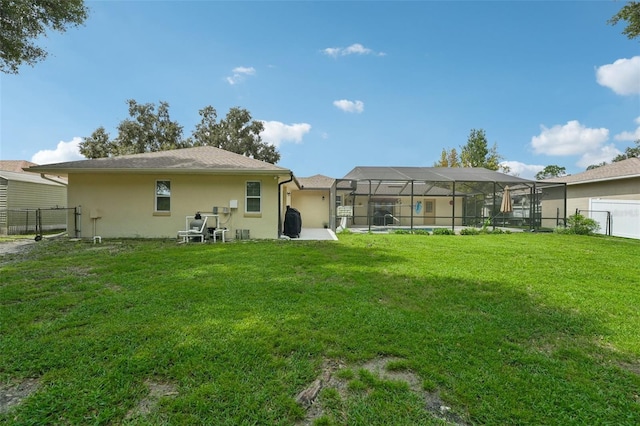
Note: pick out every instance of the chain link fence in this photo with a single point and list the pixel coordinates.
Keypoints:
(39, 221)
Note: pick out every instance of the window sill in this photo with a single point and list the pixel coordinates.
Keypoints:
(162, 213)
(254, 215)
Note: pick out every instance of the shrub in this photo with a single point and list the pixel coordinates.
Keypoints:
(500, 231)
(421, 232)
(469, 231)
(443, 231)
(579, 224)
(401, 231)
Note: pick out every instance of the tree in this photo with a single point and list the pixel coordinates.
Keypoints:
(448, 159)
(237, 132)
(145, 131)
(148, 130)
(629, 152)
(477, 154)
(22, 22)
(551, 171)
(631, 14)
(595, 166)
(98, 145)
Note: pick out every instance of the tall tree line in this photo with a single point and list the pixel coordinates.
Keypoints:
(150, 128)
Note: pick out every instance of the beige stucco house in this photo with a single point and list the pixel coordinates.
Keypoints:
(612, 189)
(313, 200)
(616, 181)
(150, 195)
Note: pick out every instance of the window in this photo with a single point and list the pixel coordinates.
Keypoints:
(163, 196)
(338, 200)
(253, 198)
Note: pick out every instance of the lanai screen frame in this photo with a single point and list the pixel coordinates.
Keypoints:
(453, 183)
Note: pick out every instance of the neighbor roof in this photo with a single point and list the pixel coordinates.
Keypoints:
(625, 169)
(316, 182)
(432, 174)
(202, 159)
(15, 165)
(30, 178)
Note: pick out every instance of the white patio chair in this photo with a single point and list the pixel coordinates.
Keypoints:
(194, 232)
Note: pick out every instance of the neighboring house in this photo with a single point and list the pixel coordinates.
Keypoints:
(313, 200)
(150, 195)
(15, 165)
(21, 194)
(609, 187)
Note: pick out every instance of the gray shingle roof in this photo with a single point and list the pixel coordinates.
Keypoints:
(624, 169)
(202, 159)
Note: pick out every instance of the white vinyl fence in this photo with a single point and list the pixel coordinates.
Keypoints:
(624, 216)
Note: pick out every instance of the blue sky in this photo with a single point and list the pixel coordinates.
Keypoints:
(343, 84)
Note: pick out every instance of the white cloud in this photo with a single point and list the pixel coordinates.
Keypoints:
(605, 153)
(276, 132)
(349, 106)
(525, 171)
(629, 136)
(354, 49)
(65, 151)
(623, 76)
(239, 74)
(571, 139)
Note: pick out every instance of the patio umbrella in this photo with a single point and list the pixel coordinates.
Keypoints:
(507, 205)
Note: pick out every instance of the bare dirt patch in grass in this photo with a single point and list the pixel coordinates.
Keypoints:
(12, 395)
(308, 398)
(149, 403)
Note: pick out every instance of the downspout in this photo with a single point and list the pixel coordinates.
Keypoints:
(291, 179)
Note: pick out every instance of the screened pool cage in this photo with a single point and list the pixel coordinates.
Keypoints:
(429, 197)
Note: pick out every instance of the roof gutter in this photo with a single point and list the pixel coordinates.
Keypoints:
(59, 182)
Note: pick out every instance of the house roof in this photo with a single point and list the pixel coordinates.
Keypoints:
(316, 182)
(202, 159)
(15, 165)
(30, 178)
(625, 169)
(432, 174)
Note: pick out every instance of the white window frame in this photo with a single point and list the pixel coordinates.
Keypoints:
(248, 197)
(158, 196)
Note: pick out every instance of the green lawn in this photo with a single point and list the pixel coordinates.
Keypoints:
(501, 329)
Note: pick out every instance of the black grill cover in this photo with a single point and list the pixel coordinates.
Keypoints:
(292, 223)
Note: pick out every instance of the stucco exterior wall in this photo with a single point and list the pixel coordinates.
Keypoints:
(125, 204)
(313, 206)
(578, 195)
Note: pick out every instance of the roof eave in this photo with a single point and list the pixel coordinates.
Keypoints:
(582, 182)
(211, 171)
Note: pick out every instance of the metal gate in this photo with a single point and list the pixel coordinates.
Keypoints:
(39, 221)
